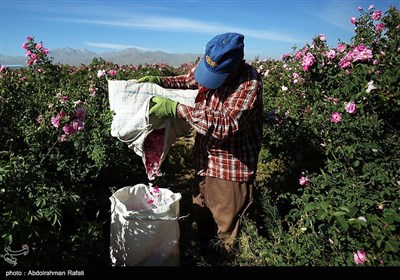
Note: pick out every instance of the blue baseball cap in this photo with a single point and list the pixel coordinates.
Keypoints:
(223, 52)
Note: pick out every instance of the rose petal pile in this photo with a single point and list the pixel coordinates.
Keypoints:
(153, 149)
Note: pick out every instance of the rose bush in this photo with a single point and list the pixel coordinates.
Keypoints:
(58, 161)
(331, 156)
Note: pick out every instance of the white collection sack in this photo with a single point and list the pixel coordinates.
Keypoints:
(131, 122)
(144, 227)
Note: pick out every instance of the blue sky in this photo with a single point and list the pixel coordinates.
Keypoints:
(271, 27)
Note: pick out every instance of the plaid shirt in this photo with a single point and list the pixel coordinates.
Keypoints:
(228, 124)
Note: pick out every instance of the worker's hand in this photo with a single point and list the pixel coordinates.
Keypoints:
(149, 79)
(163, 107)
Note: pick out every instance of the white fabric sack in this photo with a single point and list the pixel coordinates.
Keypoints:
(131, 122)
(144, 227)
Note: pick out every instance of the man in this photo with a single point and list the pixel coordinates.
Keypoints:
(227, 117)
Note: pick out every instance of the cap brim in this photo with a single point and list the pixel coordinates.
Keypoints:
(208, 79)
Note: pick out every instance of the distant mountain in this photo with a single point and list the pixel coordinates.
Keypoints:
(130, 56)
(135, 56)
(12, 60)
(73, 57)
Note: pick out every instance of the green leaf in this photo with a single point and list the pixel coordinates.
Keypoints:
(309, 207)
(374, 219)
(388, 219)
(342, 222)
(344, 208)
(8, 238)
(355, 223)
(392, 246)
(321, 214)
(339, 213)
(324, 205)
(75, 197)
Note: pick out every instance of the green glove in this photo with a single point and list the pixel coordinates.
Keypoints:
(150, 79)
(163, 107)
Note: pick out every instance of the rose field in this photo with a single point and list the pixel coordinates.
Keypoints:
(328, 181)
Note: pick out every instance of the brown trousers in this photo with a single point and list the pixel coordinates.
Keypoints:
(218, 208)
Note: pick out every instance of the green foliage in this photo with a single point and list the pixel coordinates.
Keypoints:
(350, 201)
(59, 163)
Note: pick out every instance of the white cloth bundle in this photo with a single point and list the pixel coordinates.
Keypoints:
(131, 123)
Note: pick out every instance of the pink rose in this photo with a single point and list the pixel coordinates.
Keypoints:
(377, 15)
(304, 181)
(336, 117)
(360, 257)
(350, 108)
